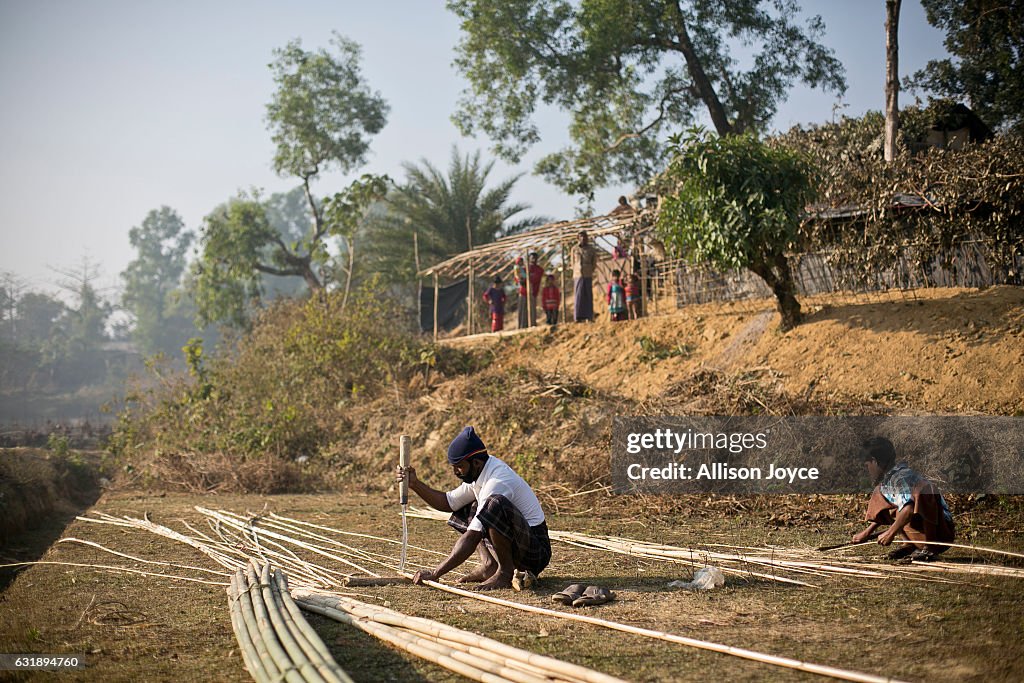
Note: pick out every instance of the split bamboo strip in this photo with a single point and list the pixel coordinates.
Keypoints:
(298, 570)
(785, 662)
(694, 563)
(250, 656)
(440, 630)
(147, 525)
(390, 564)
(356, 552)
(242, 525)
(108, 567)
(426, 637)
(855, 569)
(308, 573)
(663, 552)
(976, 548)
(139, 559)
(353, 533)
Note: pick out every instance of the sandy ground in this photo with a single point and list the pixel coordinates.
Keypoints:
(942, 351)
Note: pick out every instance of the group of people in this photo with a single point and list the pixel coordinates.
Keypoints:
(624, 297)
(499, 518)
(528, 279)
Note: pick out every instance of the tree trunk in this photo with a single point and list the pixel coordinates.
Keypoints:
(778, 276)
(892, 77)
(350, 242)
(699, 76)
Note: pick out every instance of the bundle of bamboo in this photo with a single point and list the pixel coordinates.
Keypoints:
(473, 656)
(276, 641)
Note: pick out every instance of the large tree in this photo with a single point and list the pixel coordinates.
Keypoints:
(985, 39)
(151, 282)
(320, 117)
(435, 214)
(629, 72)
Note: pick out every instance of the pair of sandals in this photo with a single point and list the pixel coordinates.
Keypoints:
(579, 595)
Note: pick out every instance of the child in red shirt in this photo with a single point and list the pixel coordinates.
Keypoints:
(551, 297)
(634, 297)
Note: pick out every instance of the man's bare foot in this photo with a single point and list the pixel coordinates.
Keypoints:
(495, 582)
(481, 573)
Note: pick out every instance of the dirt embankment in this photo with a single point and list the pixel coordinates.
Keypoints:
(942, 351)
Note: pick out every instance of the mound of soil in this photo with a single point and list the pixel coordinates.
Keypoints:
(942, 351)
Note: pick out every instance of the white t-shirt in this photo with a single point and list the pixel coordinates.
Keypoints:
(497, 477)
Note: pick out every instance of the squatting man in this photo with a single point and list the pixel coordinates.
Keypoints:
(495, 512)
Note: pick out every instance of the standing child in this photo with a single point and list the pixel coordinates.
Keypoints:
(550, 298)
(495, 296)
(634, 297)
(616, 297)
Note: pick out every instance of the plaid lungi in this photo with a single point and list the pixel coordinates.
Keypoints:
(531, 547)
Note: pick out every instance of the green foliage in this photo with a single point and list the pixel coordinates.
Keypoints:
(320, 117)
(281, 393)
(323, 110)
(735, 202)
(986, 63)
(57, 444)
(225, 280)
(652, 350)
(629, 72)
(151, 282)
(437, 207)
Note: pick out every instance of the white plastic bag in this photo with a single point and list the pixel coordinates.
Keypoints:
(706, 578)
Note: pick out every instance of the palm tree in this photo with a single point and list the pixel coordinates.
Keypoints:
(442, 215)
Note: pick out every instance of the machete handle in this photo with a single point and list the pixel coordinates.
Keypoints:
(403, 461)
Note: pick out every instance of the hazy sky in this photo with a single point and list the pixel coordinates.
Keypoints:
(111, 108)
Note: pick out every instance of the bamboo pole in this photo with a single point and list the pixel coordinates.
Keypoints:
(752, 655)
(309, 642)
(470, 303)
(513, 663)
(441, 630)
(565, 304)
(245, 600)
(254, 663)
(437, 299)
(267, 631)
(288, 639)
